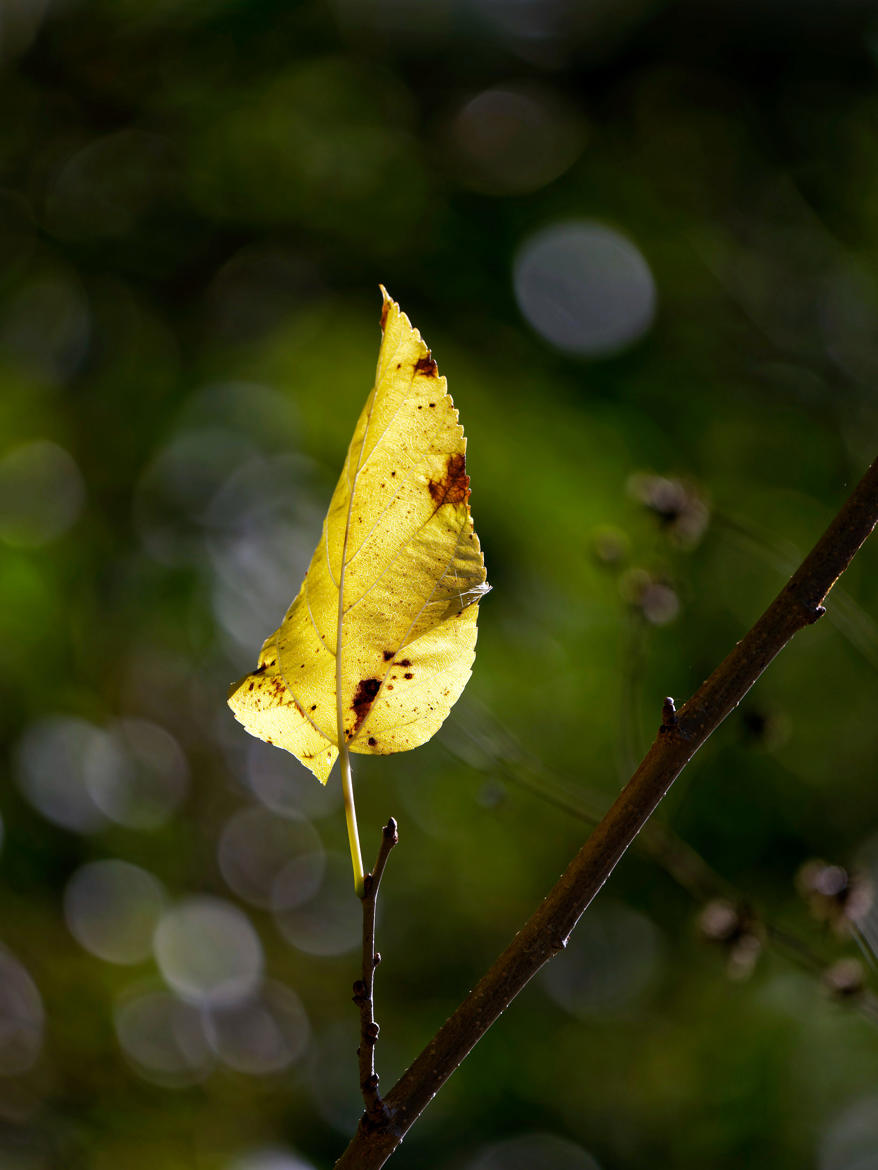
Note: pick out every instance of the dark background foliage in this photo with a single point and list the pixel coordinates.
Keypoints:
(641, 238)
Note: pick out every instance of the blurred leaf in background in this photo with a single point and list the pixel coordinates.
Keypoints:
(661, 216)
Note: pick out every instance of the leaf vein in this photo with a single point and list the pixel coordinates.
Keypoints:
(402, 548)
(381, 515)
(311, 616)
(412, 624)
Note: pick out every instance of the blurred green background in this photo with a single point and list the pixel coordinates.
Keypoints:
(641, 238)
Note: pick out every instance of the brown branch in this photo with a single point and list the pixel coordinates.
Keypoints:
(693, 874)
(680, 735)
(376, 1112)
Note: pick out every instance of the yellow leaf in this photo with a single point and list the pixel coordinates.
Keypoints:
(379, 643)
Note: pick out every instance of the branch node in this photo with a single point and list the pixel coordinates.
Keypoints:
(377, 1117)
(811, 611)
(669, 713)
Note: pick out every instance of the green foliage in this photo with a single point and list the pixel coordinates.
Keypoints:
(196, 205)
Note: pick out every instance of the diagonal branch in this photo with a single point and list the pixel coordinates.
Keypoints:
(680, 735)
(376, 1111)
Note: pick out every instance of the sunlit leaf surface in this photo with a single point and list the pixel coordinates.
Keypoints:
(378, 644)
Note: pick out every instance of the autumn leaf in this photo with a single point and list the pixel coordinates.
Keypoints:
(380, 641)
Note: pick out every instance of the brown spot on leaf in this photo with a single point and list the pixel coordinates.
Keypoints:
(405, 662)
(259, 669)
(367, 689)
(388, 654)
(372, 741)
(409, 674)
(313, 706)
(385, 309)
(427, 366)
(252, 685)
(453, 488)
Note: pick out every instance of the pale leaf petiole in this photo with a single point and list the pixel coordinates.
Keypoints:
(350, 812)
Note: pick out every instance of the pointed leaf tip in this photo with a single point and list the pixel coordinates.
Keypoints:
(386, 304)
(378, 644)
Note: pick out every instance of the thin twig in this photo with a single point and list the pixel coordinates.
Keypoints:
(681, 734)
(376, 1111)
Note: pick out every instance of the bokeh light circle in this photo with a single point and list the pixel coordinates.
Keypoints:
(612, 959)
(162, 1037)
(269, 1158)
(175, 490)
(48, 323)
(108, 186)
(137, 773)
(329, 922)
(22, 1017)
(208, 952)
(255, 846)
(531, 1150)
(41, 493)
(51, 769)
(112, 909)
(262, 1035)
(334, 1093)
(850, 1141)
(514, 139)
(290, 792)
(585, 288)
(261, 525)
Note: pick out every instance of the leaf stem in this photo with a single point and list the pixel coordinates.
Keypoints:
(350, 812)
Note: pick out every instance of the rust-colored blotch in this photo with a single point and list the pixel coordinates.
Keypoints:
(453, 488)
